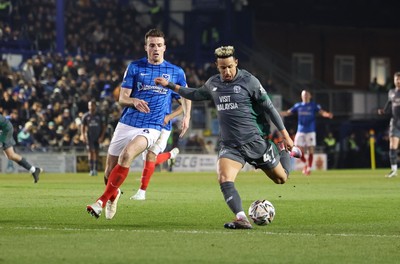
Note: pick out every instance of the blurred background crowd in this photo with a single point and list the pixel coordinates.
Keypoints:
(47, 94)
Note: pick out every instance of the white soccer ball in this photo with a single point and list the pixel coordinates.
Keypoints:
(262, 212)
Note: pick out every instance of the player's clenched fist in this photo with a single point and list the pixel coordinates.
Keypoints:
(165, 83)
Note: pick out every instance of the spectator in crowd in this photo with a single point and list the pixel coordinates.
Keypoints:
(210, 147)
(354, 151)
(374, 86)
(195, 144)
(330, 150)
(25, 138)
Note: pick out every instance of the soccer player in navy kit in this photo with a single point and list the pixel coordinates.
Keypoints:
(145, 106)
(392, 107)
(305, 137)
(7, 143)
(93, 129)
(239, 99)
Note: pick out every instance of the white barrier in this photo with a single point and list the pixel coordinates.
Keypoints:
(50, 162)
(62, 163)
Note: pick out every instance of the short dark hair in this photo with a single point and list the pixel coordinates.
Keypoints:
(154, 32)
(397, 74)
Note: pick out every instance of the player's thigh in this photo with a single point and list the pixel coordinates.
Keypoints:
(124, 135)
(394, 135)
(160, 145)
(141, 141)
(11, 154)
(227, 169)
(276, 174)
(121, 137)
(394, 142)
(311, 139)
(300, 139)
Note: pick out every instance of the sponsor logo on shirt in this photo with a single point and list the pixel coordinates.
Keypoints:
(226, 104)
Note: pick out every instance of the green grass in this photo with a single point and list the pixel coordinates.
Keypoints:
(343, 216)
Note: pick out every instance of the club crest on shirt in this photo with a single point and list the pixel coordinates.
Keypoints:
(236, 89)
(166, 76)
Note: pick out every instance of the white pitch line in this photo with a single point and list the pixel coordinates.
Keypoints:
(39, 228)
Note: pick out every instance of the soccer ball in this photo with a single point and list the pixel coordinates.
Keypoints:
(262, 212)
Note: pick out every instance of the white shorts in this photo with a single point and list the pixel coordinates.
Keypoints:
(123, 134)
(305, 139)
(160, 144)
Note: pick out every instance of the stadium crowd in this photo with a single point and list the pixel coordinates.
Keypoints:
(46, 96)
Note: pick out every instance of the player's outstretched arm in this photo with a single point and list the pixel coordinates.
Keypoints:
(162, 81)
(285, 113)
(193, 94)
(326, 114)
(126, 100)
(187, 105)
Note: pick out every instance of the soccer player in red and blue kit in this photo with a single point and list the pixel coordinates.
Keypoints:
(146, 104)
(306, 138)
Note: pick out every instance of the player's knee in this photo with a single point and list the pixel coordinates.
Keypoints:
(281, 179)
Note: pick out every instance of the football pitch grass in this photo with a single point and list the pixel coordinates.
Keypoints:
(339, 216)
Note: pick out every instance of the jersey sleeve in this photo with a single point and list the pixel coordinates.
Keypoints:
(129, 75)
(294, 109)
(262, 98)
(181, 78)
(197, 94)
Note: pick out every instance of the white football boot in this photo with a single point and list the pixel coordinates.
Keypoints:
(391, 174)
(174, 152)
(111, 207)
(95, 209)
(139, 196)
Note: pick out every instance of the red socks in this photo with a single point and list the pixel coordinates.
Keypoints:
(115, 180)
(162, 157)
(310, 160)
(148, 171)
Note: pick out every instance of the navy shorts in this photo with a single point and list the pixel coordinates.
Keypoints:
(93, 144)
